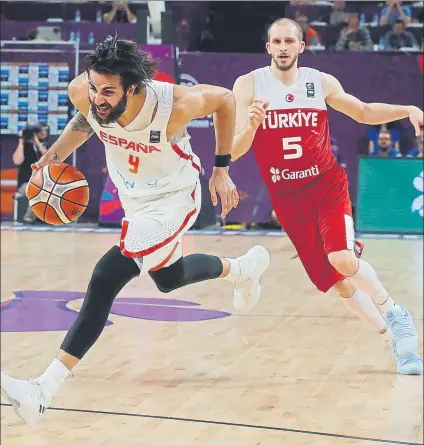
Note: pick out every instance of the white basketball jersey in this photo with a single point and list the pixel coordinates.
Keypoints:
(140, 159)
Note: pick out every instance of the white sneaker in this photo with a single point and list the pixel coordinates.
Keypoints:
(26, 397)
(247, 288)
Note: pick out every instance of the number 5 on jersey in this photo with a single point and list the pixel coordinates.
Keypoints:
(292, 150)
(133, 161)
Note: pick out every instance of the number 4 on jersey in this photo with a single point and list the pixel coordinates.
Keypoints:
(291, 145)
(133, 161)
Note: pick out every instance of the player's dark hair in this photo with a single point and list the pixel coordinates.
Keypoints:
(283, 21)
(122, 58)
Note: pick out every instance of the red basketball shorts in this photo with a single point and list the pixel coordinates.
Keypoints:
(318, 220)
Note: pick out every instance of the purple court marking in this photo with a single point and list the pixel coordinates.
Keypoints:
(164, 313)
(38, 311)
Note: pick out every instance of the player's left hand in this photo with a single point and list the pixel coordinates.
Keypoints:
(221, 184)
(416, 118)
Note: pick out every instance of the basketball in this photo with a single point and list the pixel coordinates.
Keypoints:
(58, 193)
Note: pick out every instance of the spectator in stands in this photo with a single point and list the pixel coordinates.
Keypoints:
(206, 41)
(182, 34)
(399, 38)
(385, 148)
(393, 12)
(336, 153)
(29, 150)
(120, 12)
(417, 151)
(354, 37)
(310, 36)
(394, 128)
(338, 15)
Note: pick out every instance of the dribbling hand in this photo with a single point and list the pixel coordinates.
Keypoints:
(256, 113)
(43, 161)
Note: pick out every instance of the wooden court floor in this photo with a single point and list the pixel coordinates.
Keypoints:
(183, 369)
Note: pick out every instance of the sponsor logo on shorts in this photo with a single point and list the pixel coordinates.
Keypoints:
(278, 175)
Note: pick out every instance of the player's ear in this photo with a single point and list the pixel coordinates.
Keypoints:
(267, 47)
(130, 91)
(302, 47)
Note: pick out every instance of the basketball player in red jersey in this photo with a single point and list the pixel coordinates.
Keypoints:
(281, 110)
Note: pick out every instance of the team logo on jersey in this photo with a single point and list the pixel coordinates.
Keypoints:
(289, 98)
(310, 89)
(154, 136)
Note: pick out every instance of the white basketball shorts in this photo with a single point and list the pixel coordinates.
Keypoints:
(152, 234)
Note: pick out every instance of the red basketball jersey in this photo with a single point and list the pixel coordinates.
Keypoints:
(292, 146)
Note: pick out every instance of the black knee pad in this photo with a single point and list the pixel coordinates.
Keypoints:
(188, 270)
(113, 271)
(169, 278)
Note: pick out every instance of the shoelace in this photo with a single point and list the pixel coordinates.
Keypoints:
(401, 326)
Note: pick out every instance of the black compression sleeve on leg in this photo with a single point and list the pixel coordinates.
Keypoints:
(188, 270)
(110, 275)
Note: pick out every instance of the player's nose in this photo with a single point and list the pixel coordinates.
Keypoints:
(98, 99)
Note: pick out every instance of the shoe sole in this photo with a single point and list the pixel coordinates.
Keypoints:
(15, 408)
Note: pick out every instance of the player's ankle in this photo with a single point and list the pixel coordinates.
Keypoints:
(234, 272)
(389, 305)
(53, 378)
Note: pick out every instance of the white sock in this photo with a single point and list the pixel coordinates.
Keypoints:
(53, 377)
(363, 307)
(389, 305)
(367, 280)
(235, 270)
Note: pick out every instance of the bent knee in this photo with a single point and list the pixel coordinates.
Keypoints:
(344, 261)
(344, 288)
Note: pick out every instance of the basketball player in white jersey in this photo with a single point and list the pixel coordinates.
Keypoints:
(149, 158)
(281, 110)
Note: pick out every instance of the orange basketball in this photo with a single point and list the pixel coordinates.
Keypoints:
(58, 193)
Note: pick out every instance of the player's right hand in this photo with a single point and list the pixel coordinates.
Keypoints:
(256, 112)
(43, 161)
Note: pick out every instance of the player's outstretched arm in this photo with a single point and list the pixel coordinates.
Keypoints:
(199, 101)
(250, 113)
(76, 132)
(367, 113)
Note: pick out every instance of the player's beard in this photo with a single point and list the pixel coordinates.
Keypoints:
(286, 67)
(114, 112)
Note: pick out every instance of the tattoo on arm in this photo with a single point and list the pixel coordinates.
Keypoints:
(55, 157)
(79, 123)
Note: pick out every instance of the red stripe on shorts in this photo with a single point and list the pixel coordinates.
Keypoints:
(163, 263)
(154, 248)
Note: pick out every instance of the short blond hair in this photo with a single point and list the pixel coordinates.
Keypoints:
(284, 21)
